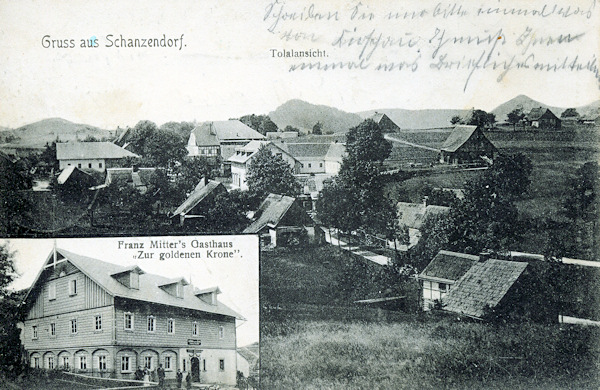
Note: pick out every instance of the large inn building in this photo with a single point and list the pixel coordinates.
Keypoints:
(102, 319)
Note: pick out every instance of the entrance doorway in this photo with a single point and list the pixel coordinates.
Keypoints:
(195, 369)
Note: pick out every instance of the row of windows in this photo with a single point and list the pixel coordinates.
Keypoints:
(89, 165)
(81, 363)
(52, 289)
(310, 165)
(128, 325)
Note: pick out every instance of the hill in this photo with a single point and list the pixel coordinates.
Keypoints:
(37, 134)
(528, 103)
(418, 119)
(303, 115)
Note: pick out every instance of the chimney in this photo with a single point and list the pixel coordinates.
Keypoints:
(484, 256)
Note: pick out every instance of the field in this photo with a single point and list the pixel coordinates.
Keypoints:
(314, 337)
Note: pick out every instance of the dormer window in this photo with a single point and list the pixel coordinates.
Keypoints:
(209, 295)
(129, 277)
(174, 287)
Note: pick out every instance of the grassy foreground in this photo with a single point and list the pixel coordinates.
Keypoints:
(429, 353)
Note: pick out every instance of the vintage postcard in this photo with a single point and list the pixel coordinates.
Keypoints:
(418, 178)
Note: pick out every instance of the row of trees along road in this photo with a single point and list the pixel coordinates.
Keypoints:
(355, 199)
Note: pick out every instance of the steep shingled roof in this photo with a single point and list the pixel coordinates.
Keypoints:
(537, 113)
(449, 266)
(90, 150)
(149, 291)
(270, 212)
(458, 137)
(212, 133)
(251, 148)
(199, 193)
(484, 285)
(69, 171)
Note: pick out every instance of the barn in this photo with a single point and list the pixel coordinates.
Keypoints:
(467, 145)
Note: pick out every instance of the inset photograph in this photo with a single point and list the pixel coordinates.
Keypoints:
(172, 312)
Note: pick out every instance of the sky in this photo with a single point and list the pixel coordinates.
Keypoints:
(226, 64)
(236, 277)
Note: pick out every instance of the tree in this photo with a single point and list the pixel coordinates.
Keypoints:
(183, 129)
(11, 313)
(189, 173)
(365, 142)
(455, 120)
(317, 128)
(269, 173)
(261, 123)
(435, 236)
(14, 204)
(160, 148)
(336, 206)
(227, 213)
(48, 156)
(570, 113)
(479, 118)
(515, 116)
(291, 128)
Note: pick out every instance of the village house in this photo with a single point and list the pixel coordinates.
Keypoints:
(504, 290)
(244, 155)
(216, 139)
(441, 274)
(542, 118)
(195, 207)
(281, 221)
(138, 178)
(467, 144)
(592, 120)
(96, 156)
(413, 215)
(385, 123)
(75, 179)
(101, 319)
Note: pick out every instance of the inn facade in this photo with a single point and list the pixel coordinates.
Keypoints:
(101, 319)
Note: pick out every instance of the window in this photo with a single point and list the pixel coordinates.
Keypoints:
(74, 325)
(65, 362)
(52, 329)
(79, 165)
(151, 324)
(167, 362)
(102, 363)
(179, 290)
(89, 165)
(221, 364)
(83, 362)
(36, 362)
(443, 287)
(73, 287)
(309, 165)
(128, 318)
(194, 328)
(148, 362)
(51, 362)
(98, 322)
(125, 366)
(184, 366)
(221, 332)
(203, 364)
(320, 165)
(52, 291)
(34, 332)
(171, 326)
(99, 165)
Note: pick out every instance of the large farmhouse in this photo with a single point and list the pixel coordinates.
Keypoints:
(385, 123)
(542, 118)
(466, 144)
(102, 319)
(220, 138)
(96, 156)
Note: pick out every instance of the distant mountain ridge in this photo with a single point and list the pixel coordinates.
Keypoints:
(39, 133)
(304, 116)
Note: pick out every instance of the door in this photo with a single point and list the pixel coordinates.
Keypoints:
(195, 369)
